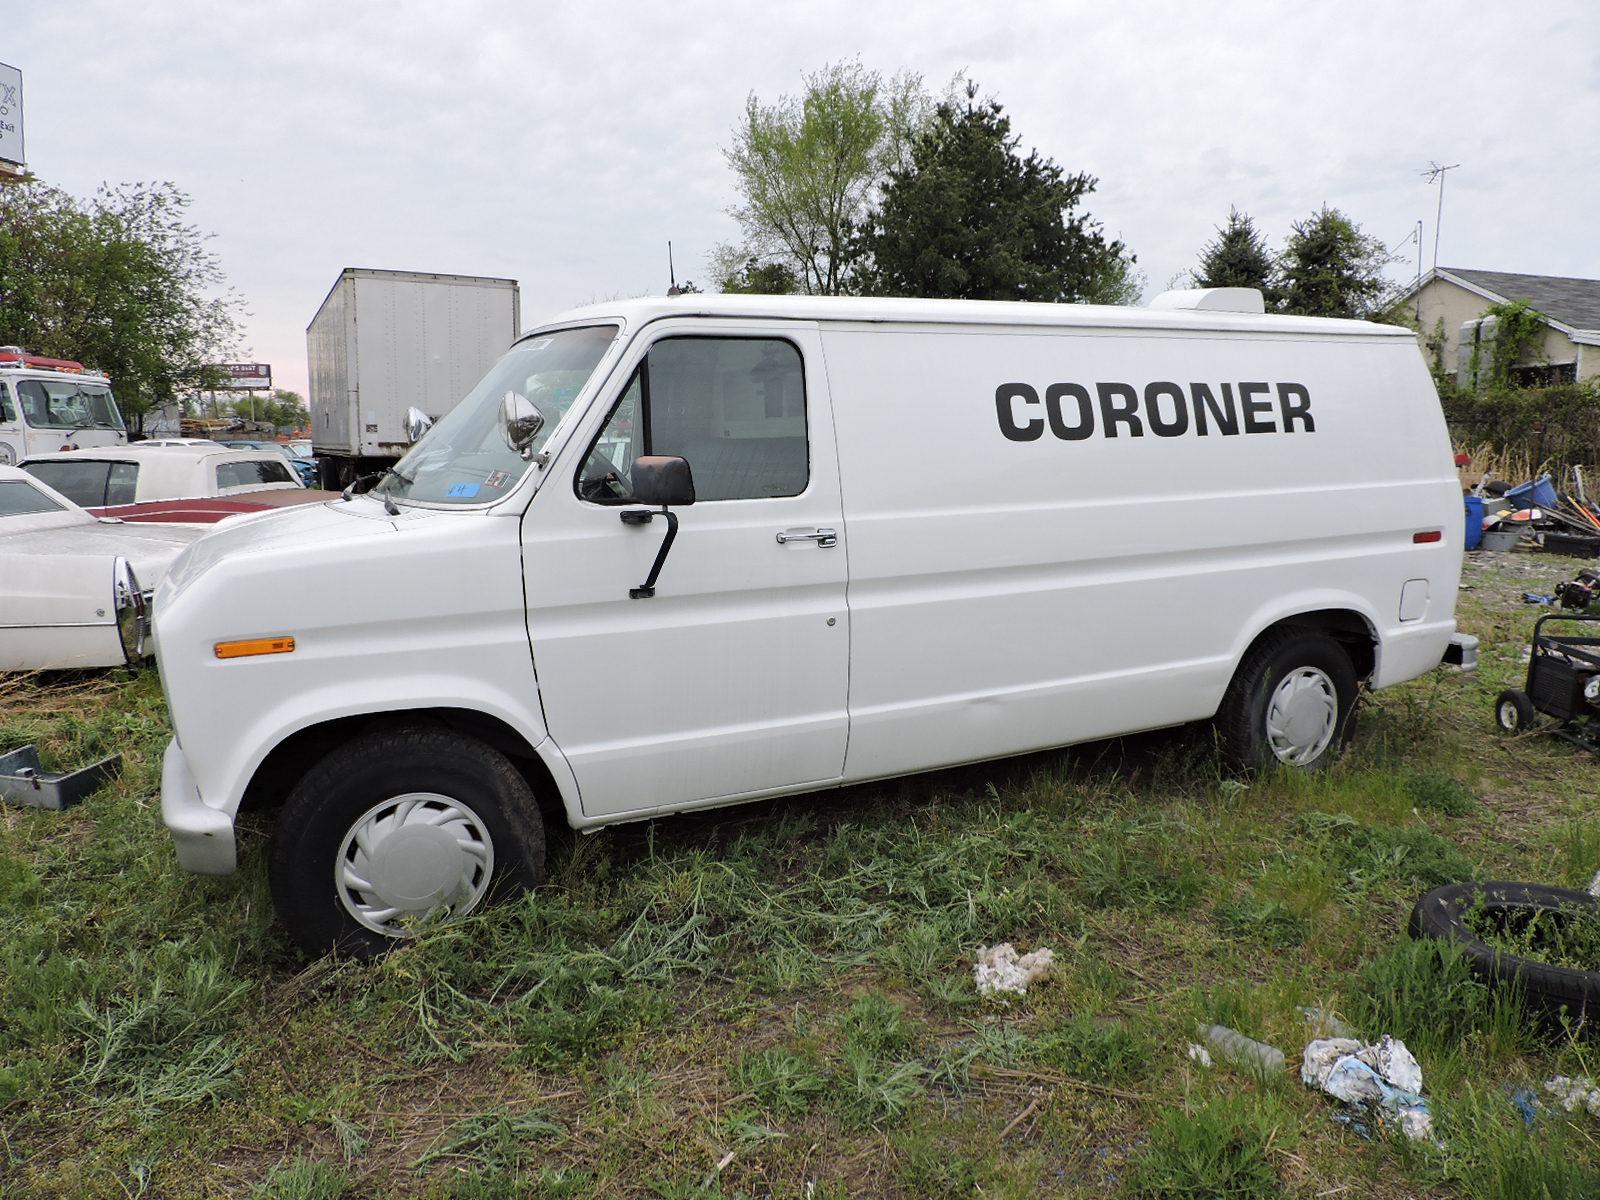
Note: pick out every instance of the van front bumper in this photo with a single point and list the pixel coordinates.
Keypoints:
(203, 836)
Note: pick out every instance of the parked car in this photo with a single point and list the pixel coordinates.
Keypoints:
(662, 559)
(74, 589)
(151, 483)
(305, 466)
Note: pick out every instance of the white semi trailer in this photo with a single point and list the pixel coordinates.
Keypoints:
(384, 342)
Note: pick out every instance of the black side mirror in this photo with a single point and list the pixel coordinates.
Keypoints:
(663, 479)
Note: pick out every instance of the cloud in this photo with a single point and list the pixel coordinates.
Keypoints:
(564, 144)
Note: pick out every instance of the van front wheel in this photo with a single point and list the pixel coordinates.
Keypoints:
(1292, 702)
(398, 829)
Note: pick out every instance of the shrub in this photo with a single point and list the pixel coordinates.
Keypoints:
(1223, 1150)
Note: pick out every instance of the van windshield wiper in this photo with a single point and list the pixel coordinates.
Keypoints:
(372, 481)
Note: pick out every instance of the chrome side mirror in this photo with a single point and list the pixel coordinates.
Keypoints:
(522, 422)
(417, 424)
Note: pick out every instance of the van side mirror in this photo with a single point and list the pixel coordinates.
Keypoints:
(521, 421)
(663, 479)
(417, 424)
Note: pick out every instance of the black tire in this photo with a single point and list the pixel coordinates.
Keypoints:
(1513, 711)
(324, 808)
(1442, 914)
(1241, 719)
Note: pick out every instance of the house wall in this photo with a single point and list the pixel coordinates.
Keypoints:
(1457, 305)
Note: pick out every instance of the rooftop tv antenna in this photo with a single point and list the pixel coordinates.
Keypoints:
(1435, 171)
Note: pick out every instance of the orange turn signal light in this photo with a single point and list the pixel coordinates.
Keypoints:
(253, 646)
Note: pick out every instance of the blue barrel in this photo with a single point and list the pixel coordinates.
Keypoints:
(1474, 522)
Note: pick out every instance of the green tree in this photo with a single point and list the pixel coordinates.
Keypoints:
(808, 167)
(1329, 268)
(969, 216)
(282, 409)
(749, 276)
(121, 281)
(1236, 257)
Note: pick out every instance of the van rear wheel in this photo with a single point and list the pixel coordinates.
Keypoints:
(397, 829)
(1292, 702)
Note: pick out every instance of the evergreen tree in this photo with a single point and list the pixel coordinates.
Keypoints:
(1329, 268)
(968, 216)
(1236, 257)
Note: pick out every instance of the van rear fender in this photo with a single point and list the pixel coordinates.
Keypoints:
(1345, 618)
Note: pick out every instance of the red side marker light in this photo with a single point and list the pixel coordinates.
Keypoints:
(1428, 535)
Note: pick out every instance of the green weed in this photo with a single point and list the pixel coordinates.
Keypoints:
(783, 1082)
(1222, 1149)
(1434, 791)
(303, 1179)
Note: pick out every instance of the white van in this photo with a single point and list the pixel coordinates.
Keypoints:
(49, 404)
(674, 553)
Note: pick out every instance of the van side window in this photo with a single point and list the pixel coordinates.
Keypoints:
(8, 411)
(734, 407)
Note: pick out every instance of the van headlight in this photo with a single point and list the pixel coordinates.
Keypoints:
(132, 614)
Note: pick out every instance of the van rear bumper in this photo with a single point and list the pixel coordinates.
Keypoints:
(1412, 650)
(203, 836)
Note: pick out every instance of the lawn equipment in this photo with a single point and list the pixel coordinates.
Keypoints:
(1563, 682)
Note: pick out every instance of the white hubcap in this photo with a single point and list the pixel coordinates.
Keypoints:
(409, 855)
(1302, 716)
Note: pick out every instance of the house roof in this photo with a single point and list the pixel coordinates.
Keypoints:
(1571, 304)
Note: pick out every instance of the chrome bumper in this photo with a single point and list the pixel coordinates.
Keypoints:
(203, 836)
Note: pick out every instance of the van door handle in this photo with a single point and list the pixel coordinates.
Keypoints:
(822, 537)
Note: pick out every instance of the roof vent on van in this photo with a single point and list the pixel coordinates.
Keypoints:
(1222, 299)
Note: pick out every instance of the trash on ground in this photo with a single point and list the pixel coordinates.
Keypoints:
(1526, 1103)
(1594, 885)
(1199, 1054)
(1234, 1047)
(1001, 969)
(22, 781)
(1381, 1078)
(1573, 1094)
(1325, 1024)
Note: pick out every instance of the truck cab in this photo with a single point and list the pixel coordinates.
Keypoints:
(49, 404)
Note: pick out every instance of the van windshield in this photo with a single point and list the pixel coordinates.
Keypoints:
(465, 458)
(52, 404)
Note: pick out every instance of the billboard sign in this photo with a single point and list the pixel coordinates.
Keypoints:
(239, 377)
(11, 115)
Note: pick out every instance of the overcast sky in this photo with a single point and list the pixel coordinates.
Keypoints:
(562, 145)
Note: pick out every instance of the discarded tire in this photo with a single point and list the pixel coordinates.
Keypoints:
(1442, 914)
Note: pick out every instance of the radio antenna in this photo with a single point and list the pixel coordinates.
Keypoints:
(672, 275)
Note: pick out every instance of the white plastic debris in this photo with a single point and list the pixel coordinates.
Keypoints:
(1594, 885)
(1001, 969)
(1199, 1054)
(1573, 1094)
(1325, 1024)
(1383, 1077)
(1242, 1051)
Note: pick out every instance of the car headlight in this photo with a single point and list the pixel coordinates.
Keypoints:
(132, 614)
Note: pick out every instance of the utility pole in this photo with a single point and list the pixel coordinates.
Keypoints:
(1436, 172)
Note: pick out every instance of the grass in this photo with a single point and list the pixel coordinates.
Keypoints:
(778, 1000)
(1570, 940)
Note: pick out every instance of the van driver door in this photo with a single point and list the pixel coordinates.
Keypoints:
(731, 680)
(12, 445)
